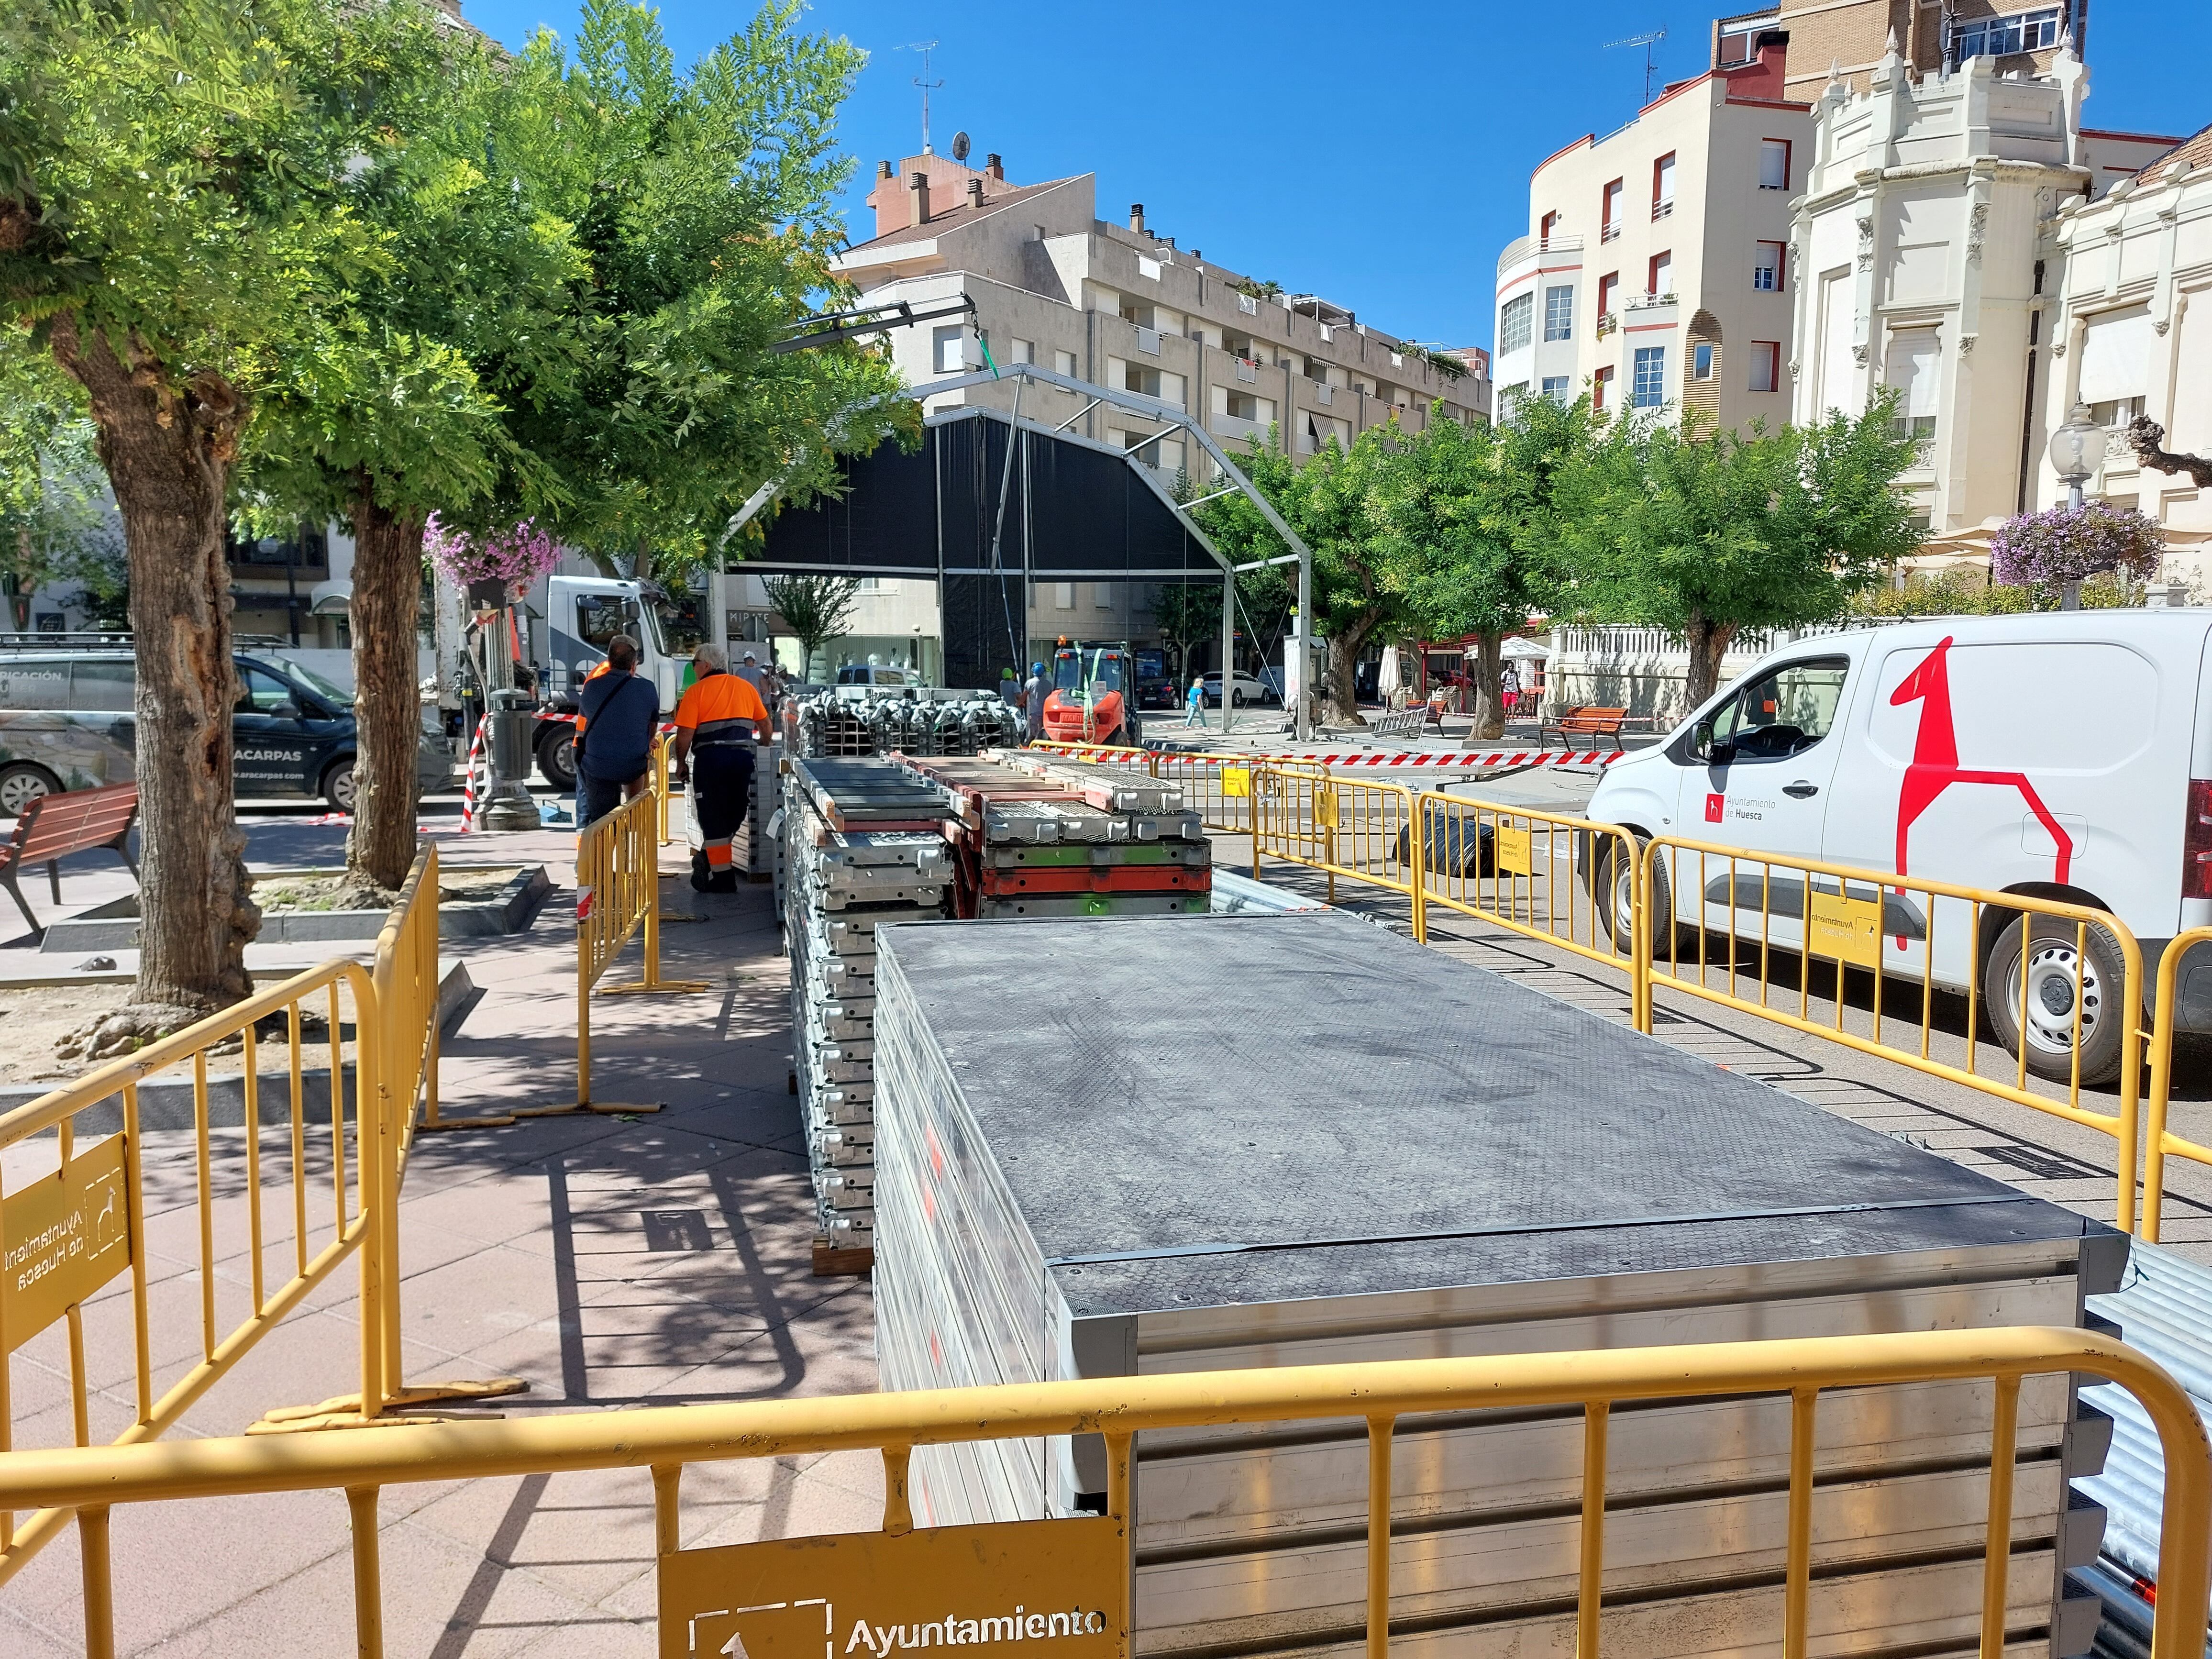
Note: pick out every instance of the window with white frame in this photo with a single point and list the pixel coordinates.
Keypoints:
(1910, 367)
(1996, 37)
(1063, 362)
(1648, 390)
(1600, 386)
(1024, 351)
(1515, 322)
(1555, 387)
(1774, 164)
(1766, 267)
(1560, 312)
(1063, 596)
(1701, 361)
(944, 353)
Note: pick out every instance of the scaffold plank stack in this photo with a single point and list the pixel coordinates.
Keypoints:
(863, 846)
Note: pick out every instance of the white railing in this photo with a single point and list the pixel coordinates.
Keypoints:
(1524, 247)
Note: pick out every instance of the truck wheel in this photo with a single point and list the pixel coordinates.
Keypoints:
(22, 783)
(1133, 732)
(556, 757)
(2055, 975)
(337, 786)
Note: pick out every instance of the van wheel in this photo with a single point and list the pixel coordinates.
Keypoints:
(1613, 892)
(337, 786)
(2054, 976)
(22, 783)
(556, 757)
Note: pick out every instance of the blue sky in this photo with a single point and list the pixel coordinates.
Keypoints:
(1379, 158)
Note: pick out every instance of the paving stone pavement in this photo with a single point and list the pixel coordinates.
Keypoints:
(611, 1261)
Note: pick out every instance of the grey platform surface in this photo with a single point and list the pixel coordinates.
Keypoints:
(1210, 1111)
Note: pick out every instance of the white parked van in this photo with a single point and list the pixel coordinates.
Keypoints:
(2064, 754)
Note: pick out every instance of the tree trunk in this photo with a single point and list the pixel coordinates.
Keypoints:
(1489, 709)
(1344, 677)
(1709, 641)
(167, 452)
(387, 588)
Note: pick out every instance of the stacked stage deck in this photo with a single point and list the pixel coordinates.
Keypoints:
(863, 845)
(1037, 835)
(1280, 1140)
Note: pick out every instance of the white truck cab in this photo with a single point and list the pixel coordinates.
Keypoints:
(2065, 754)
(582, 613)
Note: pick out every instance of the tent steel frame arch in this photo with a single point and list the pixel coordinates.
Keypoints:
(1167, 416)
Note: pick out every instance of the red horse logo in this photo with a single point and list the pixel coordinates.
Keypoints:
(1935, 759)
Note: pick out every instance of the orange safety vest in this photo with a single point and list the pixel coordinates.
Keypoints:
(717, 697)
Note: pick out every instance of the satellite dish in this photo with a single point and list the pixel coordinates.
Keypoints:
(959, 146)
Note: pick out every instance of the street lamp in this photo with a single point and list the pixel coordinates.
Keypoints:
(2077, 450)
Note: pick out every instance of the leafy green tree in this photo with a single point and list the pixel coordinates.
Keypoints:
(173, 208)
(1468, 515)
(1333, 503)
(399, 412)
(1708, 536)
(1188, 614)
(705, 206)
(54, 522)
(816, 608)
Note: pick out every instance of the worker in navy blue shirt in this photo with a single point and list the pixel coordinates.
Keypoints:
(620, 710)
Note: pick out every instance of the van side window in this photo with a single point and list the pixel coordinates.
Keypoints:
(103, 687)
(263, 694)
(1784, 711)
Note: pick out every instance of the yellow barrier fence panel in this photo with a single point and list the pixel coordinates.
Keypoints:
(79, 1294)
(1722, 923)
(1570, 882)
(2160, 1143)
(1356, 828)
(1080, 1568)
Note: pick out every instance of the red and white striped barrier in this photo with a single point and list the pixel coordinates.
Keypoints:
(1453, 759)
(469, 775)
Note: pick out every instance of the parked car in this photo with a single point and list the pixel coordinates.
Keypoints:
(67, 721)
(2066, 755)
(1244, 689)
(872, 673)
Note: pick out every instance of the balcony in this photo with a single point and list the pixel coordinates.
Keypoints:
(1523, 248)
(1663, 210)
(1247, 370)
(1610, 234)
(1651, 301)
(1606, 322)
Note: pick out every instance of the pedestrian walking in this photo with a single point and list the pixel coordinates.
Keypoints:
(749, 671)
(1509, 684)
(718, 723)
(614, 739)
(1194, 712)
(1034, 691)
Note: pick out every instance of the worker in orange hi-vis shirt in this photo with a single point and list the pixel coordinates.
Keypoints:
(718, 722)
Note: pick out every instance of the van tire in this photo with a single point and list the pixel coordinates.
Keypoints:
(2050, 944)
(338, 786)
(21, 783)
(1610, 901)
(556, 757)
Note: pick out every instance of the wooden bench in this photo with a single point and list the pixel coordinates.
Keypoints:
(54, 826)
(1587, 721)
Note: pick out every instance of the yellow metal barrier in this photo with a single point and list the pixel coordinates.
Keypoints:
(659, 786)
(618, 888)
(2159, 1141)
(1769, 905)
(662, 1442)
(328, 1187)
(1341, 826)
(1571, 881)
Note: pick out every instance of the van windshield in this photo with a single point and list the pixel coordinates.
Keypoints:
(335, 695)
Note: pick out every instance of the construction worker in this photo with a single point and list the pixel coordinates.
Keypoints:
(749, 670)
(1034, 691)
(718, 722)
(614, 738)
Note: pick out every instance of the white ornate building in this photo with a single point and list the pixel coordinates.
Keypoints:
(1924, 258)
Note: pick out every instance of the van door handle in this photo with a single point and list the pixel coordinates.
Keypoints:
(1801, 789)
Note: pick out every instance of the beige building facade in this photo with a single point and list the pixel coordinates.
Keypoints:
(1654, 275)
(1852, 37)
(1123, 306)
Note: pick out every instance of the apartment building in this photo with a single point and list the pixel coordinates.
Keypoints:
(1654, 271)
(1122, 306)
(1931, 36)
(1942, 220)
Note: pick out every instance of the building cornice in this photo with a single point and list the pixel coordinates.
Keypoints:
(1987, 167)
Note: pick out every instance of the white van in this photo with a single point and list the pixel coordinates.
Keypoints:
(2065, 754)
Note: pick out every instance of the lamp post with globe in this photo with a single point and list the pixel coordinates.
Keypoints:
(2077, 450)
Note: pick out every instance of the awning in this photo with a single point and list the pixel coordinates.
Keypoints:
(2116, 357)
(331, 598)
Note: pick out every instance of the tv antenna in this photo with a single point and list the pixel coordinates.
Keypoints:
(922, 80)
(1646, 41)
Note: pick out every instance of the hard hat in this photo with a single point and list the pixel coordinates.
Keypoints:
(751, 657)
(1036, 668)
